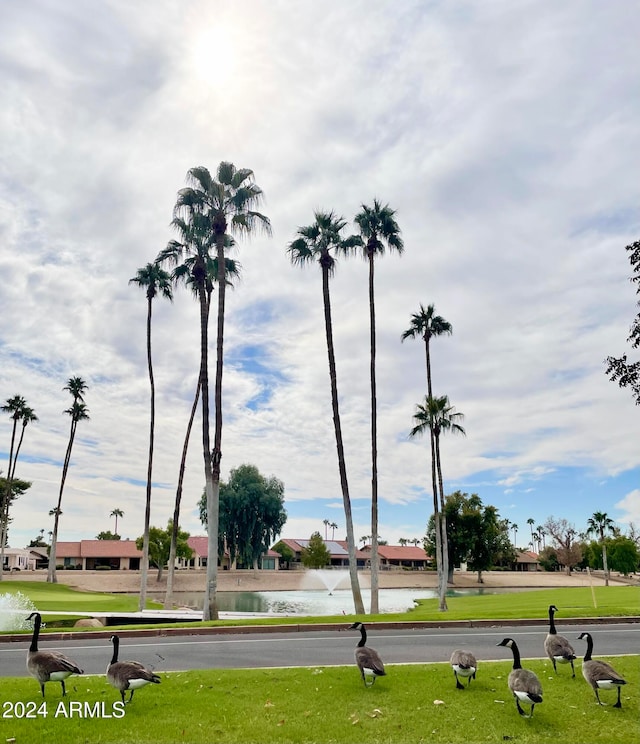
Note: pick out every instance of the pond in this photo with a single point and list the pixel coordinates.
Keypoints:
(315, 602)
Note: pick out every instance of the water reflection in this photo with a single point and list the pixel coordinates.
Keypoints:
(309, 602)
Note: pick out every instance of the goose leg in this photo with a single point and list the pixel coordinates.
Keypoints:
(64, 689)
(618, 704)
(458, 685)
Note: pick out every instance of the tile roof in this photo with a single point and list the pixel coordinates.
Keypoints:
(402, 552)
(98, 549)
(199, 544)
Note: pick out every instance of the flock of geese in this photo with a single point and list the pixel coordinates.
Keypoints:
(52, 666)
(523, 683)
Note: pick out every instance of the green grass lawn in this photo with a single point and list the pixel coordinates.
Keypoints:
(413, 703)
(51, 597)
(612, 601)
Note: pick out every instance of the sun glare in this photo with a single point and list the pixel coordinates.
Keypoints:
(213, 55)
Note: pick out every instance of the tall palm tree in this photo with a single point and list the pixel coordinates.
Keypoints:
(427, 325)
(541, 534)
(438, 416)
(531, 522)
(16, 407)
(325, 522)
(116, 513)
(183, 273)
(378, 229)
(514, 527)
(317, 243)
(212, 207)
(78, 411)
(334, 527)
(599, 523)
(153, 279)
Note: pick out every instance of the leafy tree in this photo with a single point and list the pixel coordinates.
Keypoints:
(78, 411)
(476, 534)
(160, 544)
(624, 556)
(600, 523)
(569, 552)
(627, 374)
(116, 513)
(316, 554)
(548, 559)
(317, 243)
(205, 211)
(286, 554)
(107, 535)
(251, 514)
(153, 279)
(378, 230)
(18, 409)
(438, 416)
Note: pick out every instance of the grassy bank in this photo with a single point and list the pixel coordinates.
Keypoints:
(327, 705)
(575, 602)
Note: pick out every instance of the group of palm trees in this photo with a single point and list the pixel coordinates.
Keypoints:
(20, 411)
(437, 416)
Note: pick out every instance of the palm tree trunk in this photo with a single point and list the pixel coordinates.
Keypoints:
(52, 577)
(144, 567)
(173, 548)
(443, 525)
(374, 448)
(604, 559)
(438, 530)
(353, 565)
(213, 459)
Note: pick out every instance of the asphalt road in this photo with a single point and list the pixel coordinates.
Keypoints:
(319, 648)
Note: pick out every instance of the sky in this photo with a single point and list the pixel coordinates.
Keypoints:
(504, 134)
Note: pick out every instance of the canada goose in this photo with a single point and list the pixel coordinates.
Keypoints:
(558, 647)
(523, 683)
(128, 675)
(464, 664)
(48, 666)
(367, 659)
(599, 674)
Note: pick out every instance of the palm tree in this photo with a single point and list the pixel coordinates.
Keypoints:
(531, 522)
(541, 534)
(438, 416)
(378, 229)
(318, 242)
(427, 325)
(514, 527)
(599, 523)
(403, 541)
(334, 527)
(78, 411)
(116, 513)
(203, 213)
(153, 279)
(18, 409)
(325, 522)
(188, 274)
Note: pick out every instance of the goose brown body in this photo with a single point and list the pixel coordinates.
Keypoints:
(557, 647)
(463, 664)
(368, 660)
(523, 683)
(128, 675)
(48, 666)
(599, 674)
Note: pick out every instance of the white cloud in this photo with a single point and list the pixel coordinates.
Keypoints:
(502, 135)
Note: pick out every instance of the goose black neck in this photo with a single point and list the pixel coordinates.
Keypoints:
(552, 624)
(363, 636)
(589, 640)
(516, 656)
(36, 632)
(116, 642)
